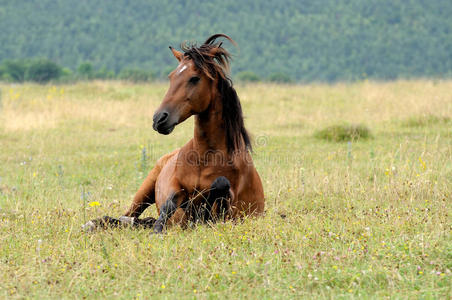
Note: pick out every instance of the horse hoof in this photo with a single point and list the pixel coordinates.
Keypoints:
(158, 229)
(126, 220)
(89, 227)
(221, 183)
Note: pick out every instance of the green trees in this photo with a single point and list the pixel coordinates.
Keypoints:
(304, 40)
(280, 77)
(135, 75)
(248, 76)
(85, 70)
(43, 70)
(38, 70)
(14, 70)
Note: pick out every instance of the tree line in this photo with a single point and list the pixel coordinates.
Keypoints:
(44, 70)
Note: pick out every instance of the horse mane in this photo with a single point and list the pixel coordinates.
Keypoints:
(213, 60)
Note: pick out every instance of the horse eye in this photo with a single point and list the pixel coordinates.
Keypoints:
(194, 80)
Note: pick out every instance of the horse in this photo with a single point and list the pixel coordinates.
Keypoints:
(212, 177)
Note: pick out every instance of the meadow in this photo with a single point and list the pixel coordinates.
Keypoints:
(345, 217)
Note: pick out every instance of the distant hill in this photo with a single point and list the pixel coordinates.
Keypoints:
(324, 40)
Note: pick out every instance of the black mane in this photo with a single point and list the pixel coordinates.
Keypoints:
(213, 60)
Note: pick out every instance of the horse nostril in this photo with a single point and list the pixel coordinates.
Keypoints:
(163, 116)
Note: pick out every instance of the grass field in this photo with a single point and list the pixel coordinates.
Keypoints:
(369, 218)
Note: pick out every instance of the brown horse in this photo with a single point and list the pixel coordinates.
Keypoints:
(212, 176)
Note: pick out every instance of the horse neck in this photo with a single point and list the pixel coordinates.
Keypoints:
(210, 133)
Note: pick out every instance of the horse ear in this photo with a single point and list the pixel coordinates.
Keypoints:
(177, 54)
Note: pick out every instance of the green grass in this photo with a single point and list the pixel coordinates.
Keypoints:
(344, 133)
(425, 120)
(366, 219)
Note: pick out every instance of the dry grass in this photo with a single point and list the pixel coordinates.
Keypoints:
(368, 218)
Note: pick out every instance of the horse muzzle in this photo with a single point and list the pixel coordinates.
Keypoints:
(163, 123)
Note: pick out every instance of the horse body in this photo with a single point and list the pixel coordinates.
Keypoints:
(213, 170)
(191, 170)
(195, 184)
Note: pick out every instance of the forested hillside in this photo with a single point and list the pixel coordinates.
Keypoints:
(324, 40)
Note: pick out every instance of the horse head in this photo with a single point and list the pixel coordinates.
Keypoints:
(193, 84)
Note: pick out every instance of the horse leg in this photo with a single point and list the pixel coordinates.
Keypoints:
(145, 223)
(218, 199)
(145, 195)
(174, 201)
(124, 221)
(108, 222)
